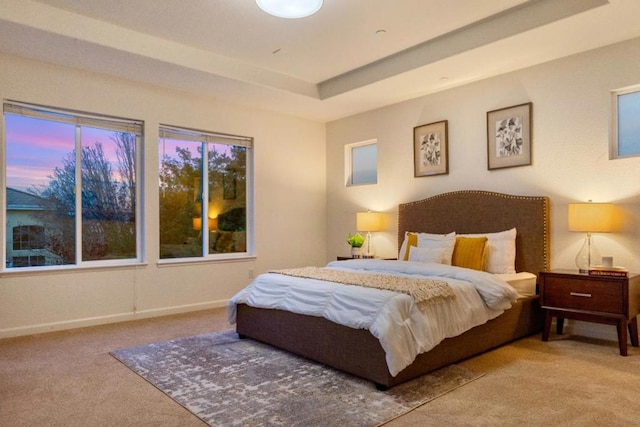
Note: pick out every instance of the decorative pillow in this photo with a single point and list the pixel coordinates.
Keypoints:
(501, 251)
(469, 252)
(426, 254)
(427, 240)
(446, 242)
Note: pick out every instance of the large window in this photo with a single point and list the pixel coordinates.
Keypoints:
(625, 129)
(205, 194)
(72, 194)
(361, 163)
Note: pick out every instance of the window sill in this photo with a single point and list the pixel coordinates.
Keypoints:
(170, 262)
(30, 271)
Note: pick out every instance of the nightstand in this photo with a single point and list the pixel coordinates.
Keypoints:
(344, 258)
(565, 294)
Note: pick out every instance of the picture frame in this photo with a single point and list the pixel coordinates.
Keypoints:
(509, 136)
(431, 149)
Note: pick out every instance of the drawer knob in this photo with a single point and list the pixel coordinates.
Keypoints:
(580, 294)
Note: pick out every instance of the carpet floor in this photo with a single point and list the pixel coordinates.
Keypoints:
(228, 381)
(69, 379)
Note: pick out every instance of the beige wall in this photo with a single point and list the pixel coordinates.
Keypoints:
(571, 109)
(288, 202)
(570, 163)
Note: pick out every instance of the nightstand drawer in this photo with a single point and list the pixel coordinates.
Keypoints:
(579, 294)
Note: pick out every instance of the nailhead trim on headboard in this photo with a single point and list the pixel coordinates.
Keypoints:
(478, 211)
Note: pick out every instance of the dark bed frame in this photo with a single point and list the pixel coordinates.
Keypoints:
(358, 352)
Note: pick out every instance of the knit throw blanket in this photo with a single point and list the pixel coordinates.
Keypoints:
(422, 290)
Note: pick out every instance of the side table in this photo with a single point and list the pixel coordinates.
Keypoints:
(566, 294)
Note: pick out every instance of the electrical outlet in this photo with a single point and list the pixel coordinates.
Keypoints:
(251, 273)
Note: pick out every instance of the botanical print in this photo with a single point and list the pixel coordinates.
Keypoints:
(509, 137)
(430, 149)
(430, 146)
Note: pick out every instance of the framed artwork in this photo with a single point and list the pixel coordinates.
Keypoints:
(509, 136)
(431, 149)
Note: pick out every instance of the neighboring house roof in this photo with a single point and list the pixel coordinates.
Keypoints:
(20, 200)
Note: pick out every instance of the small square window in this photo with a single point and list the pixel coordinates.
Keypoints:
(625, 129)
(361, 163)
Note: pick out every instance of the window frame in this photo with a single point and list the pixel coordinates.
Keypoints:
(614, 123)
(78, 119)
(206, 137)
(348, 162)
(21, 232)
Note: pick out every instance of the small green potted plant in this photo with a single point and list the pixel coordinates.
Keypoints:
(355, 241)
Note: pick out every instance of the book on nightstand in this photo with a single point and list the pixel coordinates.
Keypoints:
(609, 271)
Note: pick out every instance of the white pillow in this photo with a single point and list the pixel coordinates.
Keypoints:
(500, 255)
(435, 254)
(447, 243)
(403, 248)
(427, 240)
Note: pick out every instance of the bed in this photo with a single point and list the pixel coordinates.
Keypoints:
(360, 353)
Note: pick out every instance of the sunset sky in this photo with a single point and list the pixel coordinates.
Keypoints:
(36, 146)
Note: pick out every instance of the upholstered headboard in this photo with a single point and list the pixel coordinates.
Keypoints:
(485, 212)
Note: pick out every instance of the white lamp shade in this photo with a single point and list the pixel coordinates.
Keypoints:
(369, 221)
(591, 217)
(290, 8)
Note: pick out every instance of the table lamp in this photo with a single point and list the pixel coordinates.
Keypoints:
(368, 222)
(590, 218)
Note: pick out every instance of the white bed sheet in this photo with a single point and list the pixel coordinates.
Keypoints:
(523, 282)
(403, 328)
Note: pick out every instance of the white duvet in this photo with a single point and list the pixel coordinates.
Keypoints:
(403, 328)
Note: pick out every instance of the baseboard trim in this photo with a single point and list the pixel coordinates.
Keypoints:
(103, 320)
(166, 311)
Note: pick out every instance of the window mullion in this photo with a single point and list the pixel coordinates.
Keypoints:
(78, 198)
(140, 244)
(205, 199)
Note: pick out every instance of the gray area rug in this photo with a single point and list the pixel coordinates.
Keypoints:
(227, 381)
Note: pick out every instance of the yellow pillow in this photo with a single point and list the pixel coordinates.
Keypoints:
(412, 240)
(469, 252)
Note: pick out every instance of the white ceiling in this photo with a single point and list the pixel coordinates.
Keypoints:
(352, 56)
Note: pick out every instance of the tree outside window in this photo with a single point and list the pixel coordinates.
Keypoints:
(74, 177)
(203, 220)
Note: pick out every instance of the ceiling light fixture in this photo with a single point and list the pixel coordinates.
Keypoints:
(290, 8)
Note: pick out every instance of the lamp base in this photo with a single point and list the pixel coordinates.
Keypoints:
(368, 246)
(587, 256)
